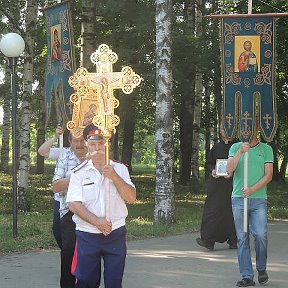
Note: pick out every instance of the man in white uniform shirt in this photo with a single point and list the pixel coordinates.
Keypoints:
(96, 237)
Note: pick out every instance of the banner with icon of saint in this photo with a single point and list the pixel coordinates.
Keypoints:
(60, 62)
(248, 64)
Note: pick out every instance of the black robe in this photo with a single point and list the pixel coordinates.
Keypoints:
(217, 221)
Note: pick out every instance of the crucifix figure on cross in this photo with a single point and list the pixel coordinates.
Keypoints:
(105, 96)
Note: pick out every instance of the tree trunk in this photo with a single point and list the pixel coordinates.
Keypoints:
(283, 168)
(88, 34)
(5, 129)
(217, 63)
(187, 107)
(41, 130)
(164, 211)
(186, 118)
(128, 101)
(197, 104)
(207, 124)
(26, 110)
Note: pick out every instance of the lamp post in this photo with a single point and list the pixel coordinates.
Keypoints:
(12, 46)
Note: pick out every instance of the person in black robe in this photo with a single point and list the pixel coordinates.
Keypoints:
(217, 220)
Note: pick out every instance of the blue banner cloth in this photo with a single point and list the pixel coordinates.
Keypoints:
(248, 65)
(60, 62)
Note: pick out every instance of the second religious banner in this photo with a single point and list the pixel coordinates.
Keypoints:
(248, 65)
(60, 62)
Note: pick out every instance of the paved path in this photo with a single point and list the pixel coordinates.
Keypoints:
(159, 263)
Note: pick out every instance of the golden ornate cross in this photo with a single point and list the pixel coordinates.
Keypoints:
(93, 100)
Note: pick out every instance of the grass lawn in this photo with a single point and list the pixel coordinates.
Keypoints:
(34, 227)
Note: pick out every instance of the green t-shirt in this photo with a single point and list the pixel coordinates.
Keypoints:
(257, 157)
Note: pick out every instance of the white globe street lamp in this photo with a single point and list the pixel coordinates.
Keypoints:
(12, 46)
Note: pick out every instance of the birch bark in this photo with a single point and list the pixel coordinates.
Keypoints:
(164, 211)
(88, 36)
(26, 109)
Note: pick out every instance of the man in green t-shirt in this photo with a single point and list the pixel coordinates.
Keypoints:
(260, 172)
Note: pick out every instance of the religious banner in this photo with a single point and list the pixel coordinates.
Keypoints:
(60, 62)
(248, 65)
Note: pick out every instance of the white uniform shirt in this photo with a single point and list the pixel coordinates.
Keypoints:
(87, 186)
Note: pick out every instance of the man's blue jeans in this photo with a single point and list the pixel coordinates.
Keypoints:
(257, 226)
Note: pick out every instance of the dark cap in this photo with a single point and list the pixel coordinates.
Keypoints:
(92, 132)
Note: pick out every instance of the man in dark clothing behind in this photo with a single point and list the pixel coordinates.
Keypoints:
(217, 220)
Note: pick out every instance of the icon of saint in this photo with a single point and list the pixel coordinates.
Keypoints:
(222, 168)
(88, 117)
(56, 46)
(247, 60)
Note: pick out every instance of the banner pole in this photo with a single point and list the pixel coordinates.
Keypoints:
(245, 216)
(61, 144)
(107, 136)
(249, 6)
(107, 183)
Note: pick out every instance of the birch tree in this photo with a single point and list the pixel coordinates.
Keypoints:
(26, 109)
(88, 35)
(164, 211)
(11, 24)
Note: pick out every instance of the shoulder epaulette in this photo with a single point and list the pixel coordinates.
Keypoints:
(80, 166)
(120, 162)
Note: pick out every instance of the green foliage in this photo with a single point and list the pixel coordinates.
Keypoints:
(34, 232)
(35, 226)
(144, 151)
(140, 219)
(202, 158)
(277, 200)
(128, 26)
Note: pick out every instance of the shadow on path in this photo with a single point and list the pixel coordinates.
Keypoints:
(170, 262)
